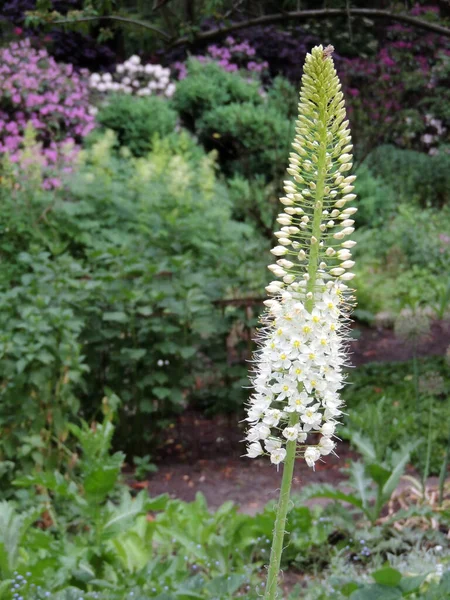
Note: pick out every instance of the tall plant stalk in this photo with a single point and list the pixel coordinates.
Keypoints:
(296, 405)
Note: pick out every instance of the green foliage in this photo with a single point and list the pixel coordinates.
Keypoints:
(403, 261)
(136, 121)
(42, 365)
(371, 482)
(250, 133)
(250, 139)
(207, 87)
(414, 177)
(377, 203)
(143, 467)
(384, 393)
(283, 97)
(117, 288)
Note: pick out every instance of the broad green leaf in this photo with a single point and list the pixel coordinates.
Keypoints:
(387, 576)
(361, 483)
(378, 473)
(376, 592)
(349, 588)
(401, 460)
(364, 445)
(226, 584)
(116, 317)
(409, 585)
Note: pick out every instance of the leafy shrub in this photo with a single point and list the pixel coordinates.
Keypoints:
(403, 261)
(414, 177)
(139, 260)
(283, 97)
(377, 202)
(250, 139)
(52, 97)
(208, 86)
(136, 121)
(42, 366)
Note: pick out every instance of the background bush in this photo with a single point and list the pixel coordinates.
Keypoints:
(136, 121)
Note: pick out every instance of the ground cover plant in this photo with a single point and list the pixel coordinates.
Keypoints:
(140, 177)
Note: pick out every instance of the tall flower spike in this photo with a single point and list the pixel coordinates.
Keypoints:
(296, 405)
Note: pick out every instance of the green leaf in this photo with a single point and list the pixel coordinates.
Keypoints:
(162, 392)
(387, 576)
(408, 585)
(444, 584)
(134, 353)
(400, 460)
(378, 473)
(116, 317)
(376, 592)
(225, 584)
(359, 480)
(349, 588)
(364, 445)
(157, 504)
(328, 491)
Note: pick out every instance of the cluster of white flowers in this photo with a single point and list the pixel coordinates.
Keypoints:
(299, 371)
(299, 363)
(132, 77)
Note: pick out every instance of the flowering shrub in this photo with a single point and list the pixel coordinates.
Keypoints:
(232, 57)
(402, 94)
(52, 97)
(132, 77)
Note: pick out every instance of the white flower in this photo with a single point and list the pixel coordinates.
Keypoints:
(326, 445)
(258, 432)
(254, 450)
(272, 417)
(277, 456)
(272, 444)
(328, 428)
(291, 433)
(312, 455)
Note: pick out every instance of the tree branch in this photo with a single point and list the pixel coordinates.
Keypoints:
(135, 22)
(303, 15)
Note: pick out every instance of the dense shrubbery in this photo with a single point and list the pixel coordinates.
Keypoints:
(137, 121)
(114, 286)
(207, 87)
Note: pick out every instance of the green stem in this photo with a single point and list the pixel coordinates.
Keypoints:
(443, 473)
(426, 469)
(280, 521)
(313, 264)
(416, 378)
